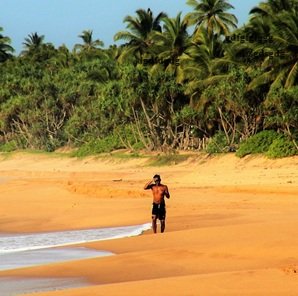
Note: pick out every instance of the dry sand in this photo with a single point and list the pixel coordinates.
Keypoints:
(232, 223)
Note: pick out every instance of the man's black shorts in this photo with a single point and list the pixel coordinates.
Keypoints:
(159, 210)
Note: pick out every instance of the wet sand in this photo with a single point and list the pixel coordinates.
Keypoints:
(231, 223)
(17, 286)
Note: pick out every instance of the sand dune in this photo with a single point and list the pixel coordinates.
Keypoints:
(231, 223)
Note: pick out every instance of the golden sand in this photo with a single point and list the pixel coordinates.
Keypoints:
(231, 223)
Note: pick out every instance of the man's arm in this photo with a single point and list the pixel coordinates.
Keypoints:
(148, 185)
(167, 193)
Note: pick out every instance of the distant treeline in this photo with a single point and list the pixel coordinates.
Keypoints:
(189, 82)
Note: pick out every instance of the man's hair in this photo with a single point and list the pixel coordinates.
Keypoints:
(156, 177)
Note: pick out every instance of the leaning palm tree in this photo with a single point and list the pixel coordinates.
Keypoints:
(5, 48)
(280, 58)
(272, 7)
(263, 15)
(89, 44)
(137, 37)
(212, 15)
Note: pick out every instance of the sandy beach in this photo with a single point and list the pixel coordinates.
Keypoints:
(231, 224)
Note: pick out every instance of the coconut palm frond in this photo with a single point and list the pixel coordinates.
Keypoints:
(292, 76)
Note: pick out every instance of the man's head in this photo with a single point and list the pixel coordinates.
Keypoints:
(156, 179)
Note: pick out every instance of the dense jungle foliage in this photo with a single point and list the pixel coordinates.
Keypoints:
(189, 82)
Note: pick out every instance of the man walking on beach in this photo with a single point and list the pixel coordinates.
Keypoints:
(159, 206)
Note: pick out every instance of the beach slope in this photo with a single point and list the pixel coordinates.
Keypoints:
(231, 223)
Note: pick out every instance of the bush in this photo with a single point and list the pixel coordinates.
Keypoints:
(258, 143)
(138, 146)
(281, 147)
(218, 143)
(167, 159)
(8, 147)
(96, 146)
(128, 137)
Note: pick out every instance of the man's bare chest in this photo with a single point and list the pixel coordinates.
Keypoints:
(160, 190)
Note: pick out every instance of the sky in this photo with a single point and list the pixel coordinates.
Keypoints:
(61, 21)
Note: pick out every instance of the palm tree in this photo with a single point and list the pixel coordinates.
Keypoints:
(5, 48)
(212, 15)
(140, 29)
(280, 58)
(262, 16)
(198, 63)
(33, 42)
(272, 7)
(89, 44)
(196, 67)
(212, 21)
(172, 42)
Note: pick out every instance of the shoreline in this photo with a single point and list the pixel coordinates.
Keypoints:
(12, 243)
(31, 258)
(18, 286)
(227, 226)
(44, 255)
(60, 254)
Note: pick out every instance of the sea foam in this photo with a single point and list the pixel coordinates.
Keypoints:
(34, 241)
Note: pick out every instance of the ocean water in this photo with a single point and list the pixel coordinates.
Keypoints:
(42, 248)
(34, 241)
(46, 256)
(19, 251)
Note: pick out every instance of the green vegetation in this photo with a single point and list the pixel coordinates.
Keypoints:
(271, 143)
(218, 144)
(98, 146)
(281, 147)
(8, 146)
(172, 84)
(167, 159)
(259, 143)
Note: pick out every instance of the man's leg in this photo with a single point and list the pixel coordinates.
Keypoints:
(162, 218)
(162, 225)
(154, 223)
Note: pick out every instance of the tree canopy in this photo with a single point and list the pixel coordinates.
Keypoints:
(182, 82)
